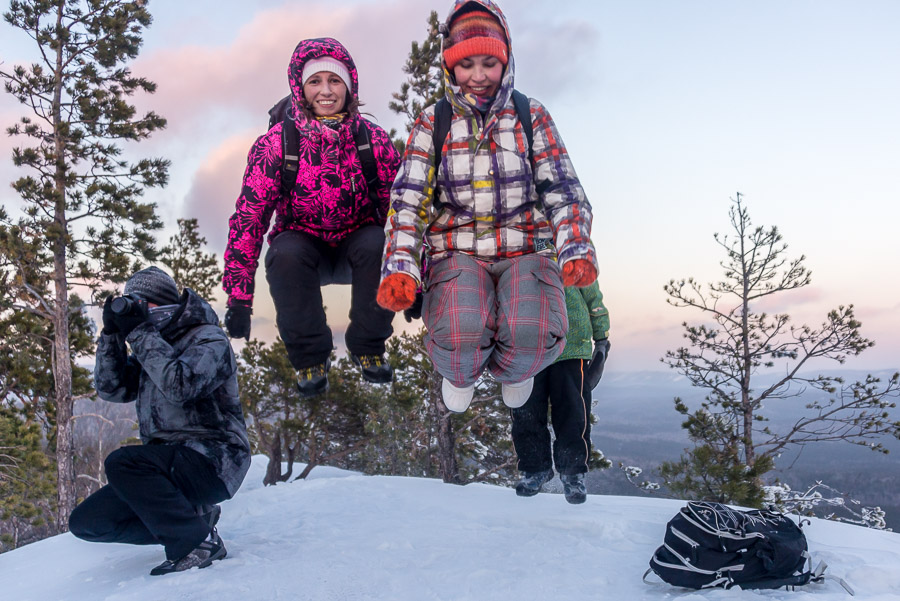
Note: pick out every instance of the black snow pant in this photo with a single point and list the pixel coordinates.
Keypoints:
(298, 265)
(153, 497)
(561, 389)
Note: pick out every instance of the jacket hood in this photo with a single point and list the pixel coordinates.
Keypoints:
(506, 84)
(311, 49)
(193, 312)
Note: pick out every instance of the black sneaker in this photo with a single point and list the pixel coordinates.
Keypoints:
(374, 368)
(210, 550)
(573, 485)
(313, 380)
(531, 483)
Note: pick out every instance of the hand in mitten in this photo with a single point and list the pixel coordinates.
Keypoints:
(397, 292)
(109, 318)
(138, 314)
(598, 360)
(237, 321)
(414, 312)
(579, 273)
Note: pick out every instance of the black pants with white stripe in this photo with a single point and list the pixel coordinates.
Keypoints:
(561, 391)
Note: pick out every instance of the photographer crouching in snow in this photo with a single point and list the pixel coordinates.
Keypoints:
(182, 374)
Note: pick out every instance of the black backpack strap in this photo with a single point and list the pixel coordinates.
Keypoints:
(290, 162)
(290, 157)
(523, 112)
(443, 115)
(363, 140)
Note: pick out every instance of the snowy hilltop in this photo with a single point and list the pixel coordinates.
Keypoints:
(345, 536)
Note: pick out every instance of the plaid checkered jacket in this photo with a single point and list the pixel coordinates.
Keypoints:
(489, 206)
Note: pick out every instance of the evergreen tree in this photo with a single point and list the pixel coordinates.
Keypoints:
(83, 222)
(327, 428)
(471, 447)
(734, 446)
(425, 84)
(191, 266)
(27, 482)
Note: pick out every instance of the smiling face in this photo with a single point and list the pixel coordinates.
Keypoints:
(479, 75)
(326, 93)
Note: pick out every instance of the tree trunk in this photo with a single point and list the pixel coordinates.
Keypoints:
(273, 470)
(62, 380)
(445, 434)
(62, 362)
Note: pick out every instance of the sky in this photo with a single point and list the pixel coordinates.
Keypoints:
(668, 109)
(343, 536)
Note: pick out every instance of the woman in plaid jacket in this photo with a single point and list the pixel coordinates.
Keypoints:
(493, 294)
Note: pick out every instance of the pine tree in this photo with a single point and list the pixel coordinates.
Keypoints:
(27, 481)
(734, 446)
(191, 266)
(327, 428)
(425, 84)
(83, 222)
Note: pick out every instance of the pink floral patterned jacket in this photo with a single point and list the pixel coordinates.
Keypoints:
(330, 199)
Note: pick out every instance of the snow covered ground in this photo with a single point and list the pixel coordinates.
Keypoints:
(343, 536)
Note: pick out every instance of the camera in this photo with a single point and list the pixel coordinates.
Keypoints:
(123, 305)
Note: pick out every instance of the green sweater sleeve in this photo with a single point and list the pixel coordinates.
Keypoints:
(599, 314)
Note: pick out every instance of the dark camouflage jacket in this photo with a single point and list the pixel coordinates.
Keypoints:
(184, 382)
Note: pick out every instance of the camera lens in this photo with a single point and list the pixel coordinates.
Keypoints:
(121, 305)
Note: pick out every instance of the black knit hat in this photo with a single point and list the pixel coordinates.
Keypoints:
(154, 286)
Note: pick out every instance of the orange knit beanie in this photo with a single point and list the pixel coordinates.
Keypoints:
(473, 33)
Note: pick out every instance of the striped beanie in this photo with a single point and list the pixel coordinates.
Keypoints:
(154, 286)
(473, 33)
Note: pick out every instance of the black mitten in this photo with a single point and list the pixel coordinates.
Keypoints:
(237, 321)
(598, 360)
(135, 316)
(414, 312)
(109, 318)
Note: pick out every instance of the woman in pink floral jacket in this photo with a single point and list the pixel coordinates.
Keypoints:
(328, 229)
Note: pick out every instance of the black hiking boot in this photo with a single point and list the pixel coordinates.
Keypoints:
(374, 368)
(210, 550)
(573, 485)
(313, 380)
(531, 483)
(210, 514)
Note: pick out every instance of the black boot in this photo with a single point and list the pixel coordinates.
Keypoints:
(531, 483)
(374, 368)
(202, 556)
(313, 380)
(573, 484)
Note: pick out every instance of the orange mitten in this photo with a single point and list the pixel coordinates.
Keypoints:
(578, 273)
(397, 292)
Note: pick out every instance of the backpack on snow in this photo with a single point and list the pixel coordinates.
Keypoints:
(443, 115)
(711, 545)
(290, 145)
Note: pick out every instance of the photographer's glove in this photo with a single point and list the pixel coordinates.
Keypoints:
(414, 312)
(109, 318)
(129, 321)
(595, 367)
(237, 321)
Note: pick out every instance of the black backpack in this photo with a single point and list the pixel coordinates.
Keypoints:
(290, 145)
(711, 545)
(443, 115)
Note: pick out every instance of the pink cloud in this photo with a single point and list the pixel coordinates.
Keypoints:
(250, 73)
(215, 187)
